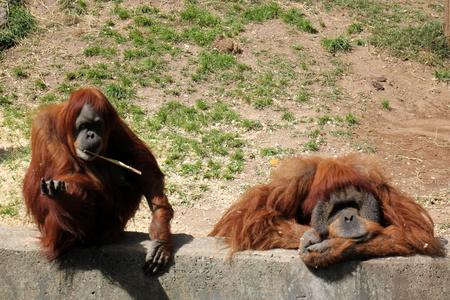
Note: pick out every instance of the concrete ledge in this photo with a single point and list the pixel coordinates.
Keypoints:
(199, 271)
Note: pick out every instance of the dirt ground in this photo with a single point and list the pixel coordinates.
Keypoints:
(413, 139)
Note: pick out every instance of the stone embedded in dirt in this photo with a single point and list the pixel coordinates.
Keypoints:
(3, 16)
(224, 44)
(381, 79)
(378, 86)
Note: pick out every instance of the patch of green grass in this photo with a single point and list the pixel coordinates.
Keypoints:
(113, 34)
(122, 13)
(20, 73)
(48, 99)
(20, 24)
(200, 36)
(313, 134)
(119, 92)
(303, 96)
(11, 209)
(425, 42)
(17, 117)
(41, 85)
(262, 103)
(263, 12)
(92, 51)
(355, 28)
(145, 9)
(74, 7)
(268, 151)
(350, 119)
(339, 44)
(311, 145)
(322, 120)
(386, 104)
(9, 155)
(288, 116)
(214, 61)
(67, 88)
(443, 74)
(200, 151)
(297, 18)
(144, 21)
(4, 101)
(200, 17)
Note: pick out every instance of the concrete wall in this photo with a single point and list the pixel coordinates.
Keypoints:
(200, 271)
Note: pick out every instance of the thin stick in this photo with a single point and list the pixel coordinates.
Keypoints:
(116, 162)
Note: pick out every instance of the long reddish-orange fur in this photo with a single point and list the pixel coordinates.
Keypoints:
(277, 214)
(101, 196)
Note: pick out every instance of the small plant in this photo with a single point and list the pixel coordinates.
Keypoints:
(212, 61)
(288, 116)
(5, 101)
(251, 124)
(386, 105)
(71, 75)
(76, 7)
(147, 10)
(123, 14)
(268, 151)
(20, 24)
(116, 91)
(313, 134)
(425, 42)
(67, 88)
(20, 73)
(303, 96)
(350, 119)
(144, 21)
(263, 12)
(355, 28)
(311, 145)
(50, 98)
(322, 120)
(360, 42)
(443, 75)
(92, 51)
(11, 209)
(298, 47)
(41, 85)
(200, 17)
(262, 103)
(339, 44)
(297, 18)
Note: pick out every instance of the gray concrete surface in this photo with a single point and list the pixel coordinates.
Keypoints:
(200, 271)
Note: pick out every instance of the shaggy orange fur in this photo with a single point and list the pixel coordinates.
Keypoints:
(277, 214)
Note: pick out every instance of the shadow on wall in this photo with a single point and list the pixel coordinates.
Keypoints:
(121, 263)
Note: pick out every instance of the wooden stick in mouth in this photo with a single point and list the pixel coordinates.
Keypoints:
(114, 161)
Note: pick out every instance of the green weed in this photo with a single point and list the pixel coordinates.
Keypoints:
(20, 73)
(264, 12)
(386, 104)
(311, 146)
(41, 85)
(200, 17)
(425, 43)
(20, 24)
(443, 74)
(355, 28)
(339, 44)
